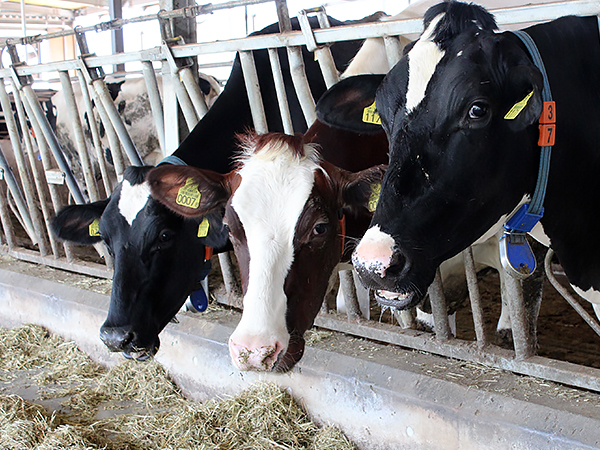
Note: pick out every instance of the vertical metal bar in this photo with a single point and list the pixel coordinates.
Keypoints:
(253, 90)
(86, 167)
(37, 221)
(9, 232)
(229, 280)
(52, 141)
(115, 11)
(393, 49)
(117, 122)
(155, 102)
(194, 91)
(298, 73)
(524, 347)
(95, 134)
(13, 186)
(284, 108)
(283, 16)
(350, 298)
(474, 296)
(439, 308)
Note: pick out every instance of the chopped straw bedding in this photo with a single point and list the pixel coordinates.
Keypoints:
(147, 410)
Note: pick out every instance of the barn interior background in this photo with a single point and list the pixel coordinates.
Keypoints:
(49, 160)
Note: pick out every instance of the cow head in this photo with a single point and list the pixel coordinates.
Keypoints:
(452, 148)
(283, 208)
(158, 258)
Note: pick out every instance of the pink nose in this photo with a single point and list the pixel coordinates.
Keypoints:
(246, 356)
(375, 252)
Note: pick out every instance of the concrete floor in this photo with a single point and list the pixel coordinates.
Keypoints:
(381, 396)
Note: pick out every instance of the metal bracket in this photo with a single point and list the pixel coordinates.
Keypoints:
(307, 31)
(22, 80)
(96, 73)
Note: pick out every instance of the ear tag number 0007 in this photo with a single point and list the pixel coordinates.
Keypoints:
(188, 195)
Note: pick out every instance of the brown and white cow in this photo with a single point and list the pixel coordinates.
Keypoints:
(285, 208)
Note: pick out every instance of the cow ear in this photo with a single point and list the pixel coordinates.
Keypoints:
(361, 189)
(188, 191)
(523, 94)
(350, 104)
(79, 223)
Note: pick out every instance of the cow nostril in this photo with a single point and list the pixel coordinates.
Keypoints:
(116, 339)
(253, 357)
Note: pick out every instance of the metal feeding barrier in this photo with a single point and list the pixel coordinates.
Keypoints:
(45, 182)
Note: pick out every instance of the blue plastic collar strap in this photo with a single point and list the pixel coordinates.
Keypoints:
(172, 159)
(198, 298)
(516, 255)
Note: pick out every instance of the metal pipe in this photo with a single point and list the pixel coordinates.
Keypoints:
(26, 183)
(95, 134)
(9, 232)
(307, 102)
(523, 344)
(474, 297)
(86, 167)
(194, 91)
(350, 298)
(47, 163)
(187, 107)
(284, 108)
(393, 49)
(155, 102)
(229, 279)
(117, 122)
(439, 308)
(253, 90)
(52, 142)
(11, 181)
(322, 54)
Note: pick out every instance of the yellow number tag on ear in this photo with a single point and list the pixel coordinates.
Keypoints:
(203, 228)
(94, 228)
(370, 115)
(189, 195)
(374, 197)
(518, 107)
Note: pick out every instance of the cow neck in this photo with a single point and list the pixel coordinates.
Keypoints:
(515, 253)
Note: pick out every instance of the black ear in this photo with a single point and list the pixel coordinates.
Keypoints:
(74, 223)
(523, 96)
(350, 104)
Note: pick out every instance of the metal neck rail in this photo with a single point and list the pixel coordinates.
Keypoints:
(187, 12)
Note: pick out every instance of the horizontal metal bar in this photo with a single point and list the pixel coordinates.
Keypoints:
(552, 370)
(83, 267)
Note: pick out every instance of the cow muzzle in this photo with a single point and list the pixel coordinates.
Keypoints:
(254, 355)
(124, 340)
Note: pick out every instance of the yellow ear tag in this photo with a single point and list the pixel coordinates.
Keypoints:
(94, 228)
(189, 195)
(203, 228)
(518, 107)
(374, 197)
(370, 115)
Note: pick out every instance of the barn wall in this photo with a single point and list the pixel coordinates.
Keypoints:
(379, 401)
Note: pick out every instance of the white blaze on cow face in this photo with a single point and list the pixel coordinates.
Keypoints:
(275, 187)
(133, 199)
(374, 251)
(423, 58)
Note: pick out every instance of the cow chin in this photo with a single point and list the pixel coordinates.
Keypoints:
(397, 300)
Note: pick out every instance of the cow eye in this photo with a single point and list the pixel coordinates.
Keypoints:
(478, 110)
(320, 228)
(165, 236)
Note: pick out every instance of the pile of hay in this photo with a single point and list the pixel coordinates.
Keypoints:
(147, 410)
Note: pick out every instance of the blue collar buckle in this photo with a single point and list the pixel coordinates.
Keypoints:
(198, 300)
(516, 255)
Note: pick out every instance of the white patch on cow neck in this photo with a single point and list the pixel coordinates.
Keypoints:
(274, 189)
(133, 199)
(423, 58)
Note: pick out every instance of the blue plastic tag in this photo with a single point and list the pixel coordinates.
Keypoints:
(199, 300)
(523, 221)
(516, 255)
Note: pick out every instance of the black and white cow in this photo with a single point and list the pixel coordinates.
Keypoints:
(460, 165)
(158, 255)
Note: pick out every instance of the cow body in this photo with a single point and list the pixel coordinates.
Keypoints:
(459, 167)
(149, 241)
